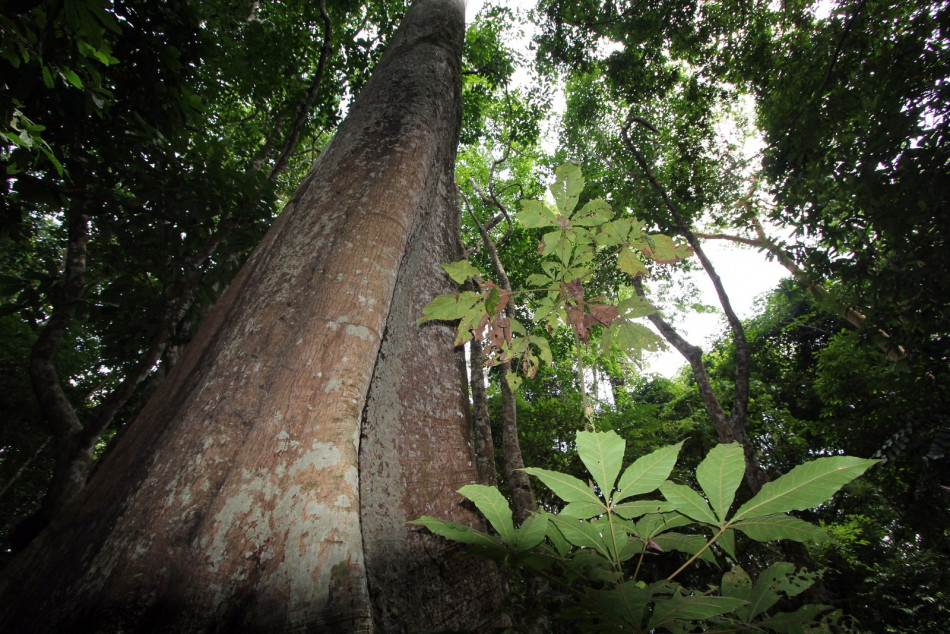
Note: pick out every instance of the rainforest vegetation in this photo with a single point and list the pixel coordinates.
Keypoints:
(604, 145)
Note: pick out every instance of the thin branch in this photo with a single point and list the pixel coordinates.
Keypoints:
(296, 127)
(740, 401)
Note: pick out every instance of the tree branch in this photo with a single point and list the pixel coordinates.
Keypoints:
(296, 127)
(740, 401)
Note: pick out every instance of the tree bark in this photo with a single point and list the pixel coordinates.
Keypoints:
(235, 501)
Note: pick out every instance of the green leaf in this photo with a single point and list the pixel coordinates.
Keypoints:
(539, 280)
(491, 302)
(583, 510)
(688, 502)
(534, 214)
(630, 263)
(595, 212)
(549, 242)
(727, 541)
(633, 510)
(633, 337)
(664, 251)
(514, 381)
(720, 474)
(795, 622)
(805, 486)
(780, 577)
(461, 270)
(655, 524)
(531, 532)
(459, 533)
(780, 526)
(553, 533)
(736, 583)
(602, 454)
(494, 507)
(48, 77)
(691, 608)
(690, 544)
(544, 348)
(72, 78)
(567, 487)
(648, 472)
(450, 307)
(580, 533)
(567, 187)
(635, 307)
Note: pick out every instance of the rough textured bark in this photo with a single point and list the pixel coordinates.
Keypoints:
(233, 502)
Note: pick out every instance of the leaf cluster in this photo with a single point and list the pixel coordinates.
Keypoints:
(593, 549)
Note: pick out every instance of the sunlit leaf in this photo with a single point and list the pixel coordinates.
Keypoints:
(461, 270)
(450, 307)
(535, 213)
(594, 213)
(567, 187)
(630, 263)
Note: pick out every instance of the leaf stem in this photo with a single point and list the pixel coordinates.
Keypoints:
(699, 552)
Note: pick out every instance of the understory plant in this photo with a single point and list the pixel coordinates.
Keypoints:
(591, 552)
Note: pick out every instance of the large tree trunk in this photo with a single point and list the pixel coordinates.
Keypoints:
(236, 500)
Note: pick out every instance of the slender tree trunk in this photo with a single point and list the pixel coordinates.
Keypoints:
(236, 500)
(484, 443)
(521, 494)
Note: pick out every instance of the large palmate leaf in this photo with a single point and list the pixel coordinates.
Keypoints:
(567, 487)
(720, 474)
(602, 454)
(583, 510)
(805, 486)
(647, 473)
(494, 507)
